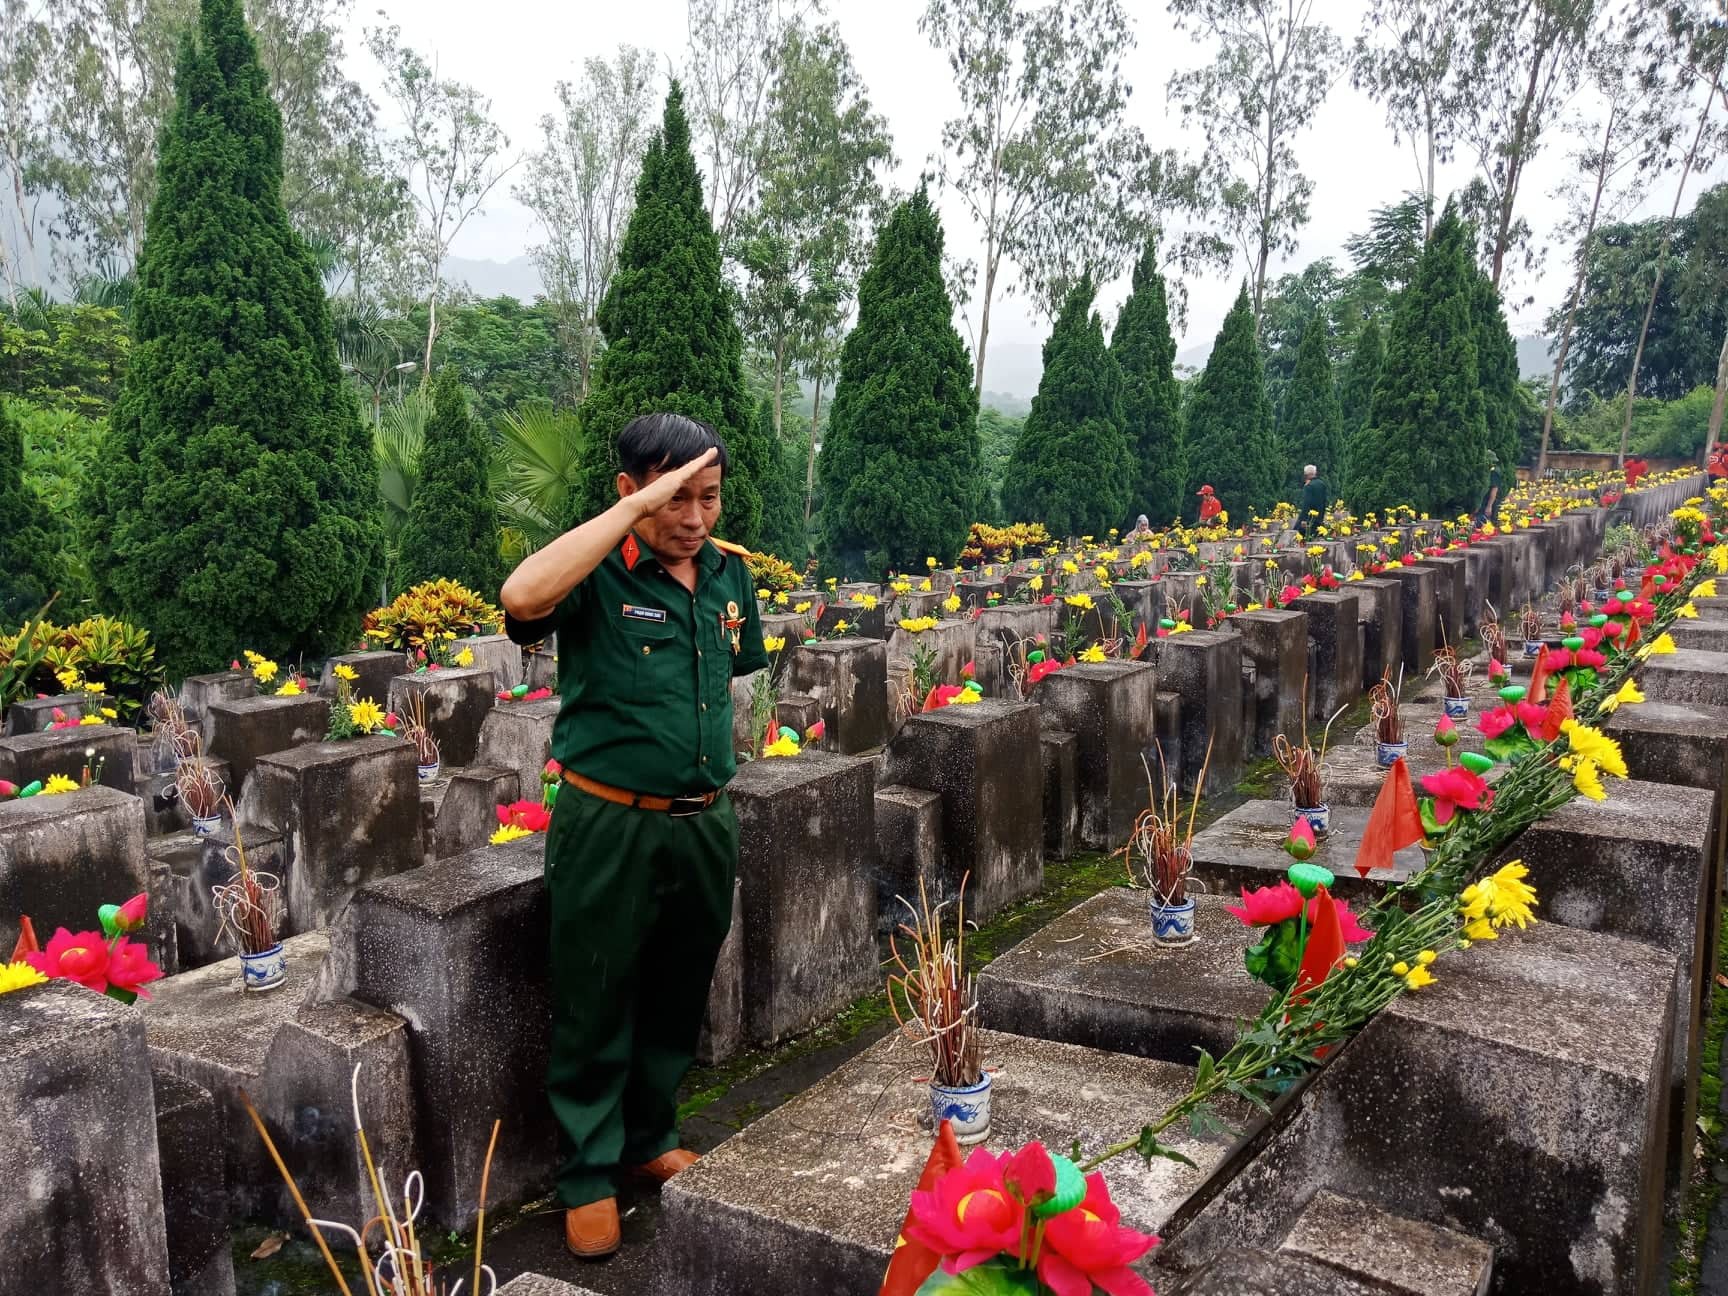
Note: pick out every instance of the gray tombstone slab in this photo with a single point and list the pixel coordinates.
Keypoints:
(458, 700)
(62, 857)
(1108, 707)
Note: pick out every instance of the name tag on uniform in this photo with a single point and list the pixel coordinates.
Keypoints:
(634, 613)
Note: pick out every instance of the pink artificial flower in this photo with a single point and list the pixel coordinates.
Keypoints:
(1496, 722)
(129, 967)
(1301, 844)
(1354, 932)
(1088, 1247)
(969, 1217)
(1456, 789)
(82, 958)
(132, 913)
(1030, 1175)
(531, 815)
(1268, 906)
(1446, 733)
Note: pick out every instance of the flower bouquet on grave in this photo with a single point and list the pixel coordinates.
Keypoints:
(935, 1003)
(1025, 1223)
(266, 673)
(249, 905)
(107, 961)
(1160, 854)
(519, 819)
(352, 717)
(1303, 928)
(1390, 745)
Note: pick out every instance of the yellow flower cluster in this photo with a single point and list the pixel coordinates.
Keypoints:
(782, 746)
(509, 833)
(345, 672)
(1502, 899)
(917, 625)
(16, 976)
(1081, 601)
(263, 669)
(366, 715)
(951, 604)
(58, 783)
(1093, 653)
(1418, 976)
(772, 644)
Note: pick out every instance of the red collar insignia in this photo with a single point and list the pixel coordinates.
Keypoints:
(631, 551)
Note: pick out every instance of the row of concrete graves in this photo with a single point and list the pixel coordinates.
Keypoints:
(406, 932)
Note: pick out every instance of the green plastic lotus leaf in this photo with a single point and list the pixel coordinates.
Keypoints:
(1309, 878)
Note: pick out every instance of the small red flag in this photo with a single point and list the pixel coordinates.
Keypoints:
(26, 939)
(1325, 948)
(1559, 711)
(913, 1262)
(1393, 824)
(1537, 691)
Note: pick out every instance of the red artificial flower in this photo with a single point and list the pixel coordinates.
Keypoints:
(82, 958)
(816, 732)
(969, 1217)
(1533, 716)
(1030, 1175)
(1088, 1247)
(551, 772)
(1497, 671)
(531, 815)
(129, 967)
(1268, 906)
(132, 913)
(1496, 722)
(1300, 844)
(1456, 789)
(7, 789)
(538, 695)
(1446, 733)
(391, 722)
(942, 695)
(1328, 580)
(969, 670)
(1038, 670)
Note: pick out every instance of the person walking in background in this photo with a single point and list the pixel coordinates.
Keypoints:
(1142, 529)
(1316, 499)
(1491, 500)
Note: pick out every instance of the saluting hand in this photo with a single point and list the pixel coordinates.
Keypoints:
(658, 493)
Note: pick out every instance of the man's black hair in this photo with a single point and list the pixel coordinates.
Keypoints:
(661, 442)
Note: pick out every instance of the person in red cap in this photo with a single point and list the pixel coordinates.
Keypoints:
(1210, 505)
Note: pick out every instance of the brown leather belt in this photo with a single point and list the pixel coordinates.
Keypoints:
(677, 807)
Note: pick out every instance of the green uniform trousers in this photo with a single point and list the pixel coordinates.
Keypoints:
(641, 903)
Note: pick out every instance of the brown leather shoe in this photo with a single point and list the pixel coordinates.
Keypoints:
(591, 1231)
(664, 1166)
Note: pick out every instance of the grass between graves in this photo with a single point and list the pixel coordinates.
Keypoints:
(1704, 1192)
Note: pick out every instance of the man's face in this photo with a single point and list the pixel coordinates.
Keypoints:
(678, 531)
(1308, 476)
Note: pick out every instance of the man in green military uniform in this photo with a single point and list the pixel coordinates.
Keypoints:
(1316, 499)
(654, 617)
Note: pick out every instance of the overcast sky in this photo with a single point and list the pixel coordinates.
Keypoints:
(515, 50)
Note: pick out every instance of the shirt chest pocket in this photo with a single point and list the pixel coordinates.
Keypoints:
(657, 656)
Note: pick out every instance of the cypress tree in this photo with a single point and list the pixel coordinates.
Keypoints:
(1228, 436)
(1311, 430)
(1425, 442)
(236, 504)
(782, 531)
(29, 534)
(1497, 369)
(672, 344)
(1072, 468)
(899, 462)
(1356, 391)
(1151, 399)
(452, 526)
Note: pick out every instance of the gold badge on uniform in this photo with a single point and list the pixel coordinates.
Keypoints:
(732, 622)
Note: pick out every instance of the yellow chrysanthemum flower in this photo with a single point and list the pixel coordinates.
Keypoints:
(1093, 653)
(1585, 780)
(1480, 929)
(289, 689)
(465, 658)
(802, 608)
(109, 713)
(842, 626)
(966, 697)
(930, 563)
(343, 671)
(509, 833)
(1705, 589)
(1417, 977)
(1686, 612)
(58, 783)
(780, 599)
(781, 747)
(264, 671)
(869, 602)
(773, 643)
(70, 680)
(924, 586)
(1070, 566)
(1595, 745)
(764, 595)
(918, 625)
(1182, 627)
(365, 715)
(951, 603)
(90, 720)
(1081, 601)
(1628, 694)
(1035, 584)
(16, 976)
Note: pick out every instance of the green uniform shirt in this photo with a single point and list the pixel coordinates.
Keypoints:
(1314, 500)
(645, 670)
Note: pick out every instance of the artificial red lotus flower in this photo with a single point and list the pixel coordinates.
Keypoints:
(1300, 844)
(969, 670)
(969, 1217)
(1267, 906)
(1589, 657)
(82, 958)
(1038, 670)
(1533, 716)
(1446, 733)
(531, 815)
(913, 1262)
(129, 968)
(816, 732)
(1088, 1247)
(7, 789)
(551, 772)
(1496, 722)
(1497, 672)
(1456, 789)
(1289, 594)
(538, 695)
(941, 696)
(1030, 1175)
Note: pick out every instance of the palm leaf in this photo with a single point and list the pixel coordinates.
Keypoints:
(535, 467)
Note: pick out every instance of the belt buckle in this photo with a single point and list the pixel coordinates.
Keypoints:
(684, 807)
